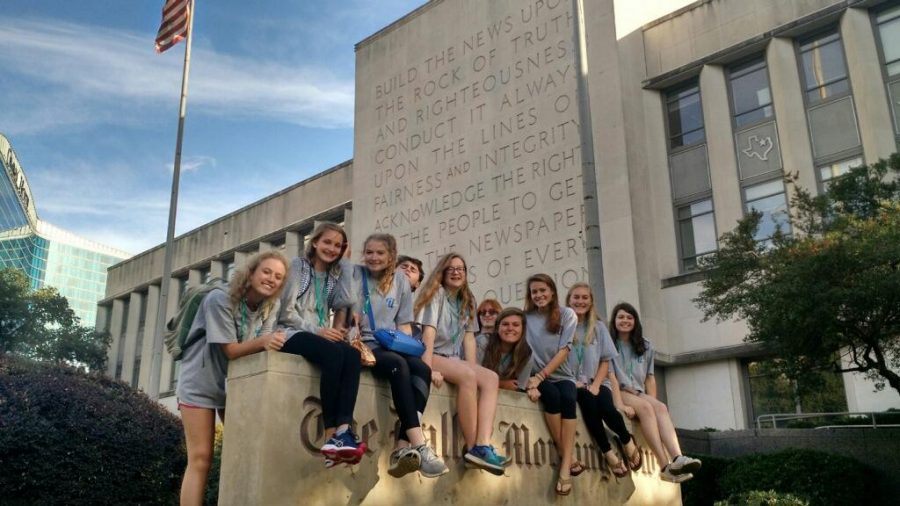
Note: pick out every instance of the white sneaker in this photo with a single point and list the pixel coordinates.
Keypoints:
(667, 475)
(431, 466)
(684, 465)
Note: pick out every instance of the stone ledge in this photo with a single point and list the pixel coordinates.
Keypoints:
(270, 453)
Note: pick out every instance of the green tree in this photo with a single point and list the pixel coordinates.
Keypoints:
(828, 295)
(39, 324)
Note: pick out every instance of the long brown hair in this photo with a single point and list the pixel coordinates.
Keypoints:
(553, 316)
(240, 282)
(435, 281)
(637, 333)
(592, 316)
(520, 352)
(333, 267)
(385, 284)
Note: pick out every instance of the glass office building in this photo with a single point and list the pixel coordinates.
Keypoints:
(48, 255)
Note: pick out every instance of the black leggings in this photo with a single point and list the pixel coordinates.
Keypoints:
(340, 367)
(558, 397)
(410, 381)
(597, 409)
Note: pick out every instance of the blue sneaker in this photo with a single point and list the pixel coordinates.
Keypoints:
(344, 447)
(484, 457)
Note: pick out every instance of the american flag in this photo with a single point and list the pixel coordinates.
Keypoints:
(174, 24)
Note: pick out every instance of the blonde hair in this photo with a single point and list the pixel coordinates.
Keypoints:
(435, 281)
(592, 316)
(385, 285)
(240, 283)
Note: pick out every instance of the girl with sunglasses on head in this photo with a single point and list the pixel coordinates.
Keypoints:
(487, 317)
(229, 324)
(446, 309)
(591, 353)
(506, 352)
(637, 389)
(306, 305)
(388, 300)
(550, 330)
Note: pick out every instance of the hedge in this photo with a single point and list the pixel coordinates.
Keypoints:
(71, 438)
(821, 478)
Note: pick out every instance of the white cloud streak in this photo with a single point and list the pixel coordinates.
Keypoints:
(93, 75)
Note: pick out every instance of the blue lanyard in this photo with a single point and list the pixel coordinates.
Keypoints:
(319, 292)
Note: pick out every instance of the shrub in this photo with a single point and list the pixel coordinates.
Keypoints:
(823, 478)
(763, 498)
(67, 437)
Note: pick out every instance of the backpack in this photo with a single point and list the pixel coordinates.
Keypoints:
(178, 328)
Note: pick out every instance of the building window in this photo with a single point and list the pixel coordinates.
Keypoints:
(751, 99)
(685, 117)
(696, 232)
(824, 70)
(889, 33)
(835, 170)
(769, 199)
(888, 23)
(817, 391)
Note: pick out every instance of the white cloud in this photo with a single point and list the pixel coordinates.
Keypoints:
(90, 75)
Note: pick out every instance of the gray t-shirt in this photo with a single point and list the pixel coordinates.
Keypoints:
(301, 313)
(632, 370)
(481, 341)
(204, 366)
(442, 313)
(586, 359)
(389, 310)
(545, 345)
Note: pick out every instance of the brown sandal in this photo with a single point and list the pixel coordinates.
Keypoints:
(576, 468)
(617, 467)
(564, 486)
(634, 466)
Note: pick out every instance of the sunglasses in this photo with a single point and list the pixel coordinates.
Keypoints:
(488, 312)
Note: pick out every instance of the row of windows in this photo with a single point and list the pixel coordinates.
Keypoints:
(824, 77)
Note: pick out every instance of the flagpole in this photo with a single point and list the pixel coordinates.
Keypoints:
(156, 362)
(588, 169)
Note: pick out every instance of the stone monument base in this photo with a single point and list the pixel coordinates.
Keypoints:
(270, 455)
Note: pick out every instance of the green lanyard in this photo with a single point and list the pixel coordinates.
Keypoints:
(505, 360)
(319, 291)
(579, 347)
(454, 319)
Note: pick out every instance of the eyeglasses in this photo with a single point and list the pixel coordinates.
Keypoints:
(487, 312)
(455, 270)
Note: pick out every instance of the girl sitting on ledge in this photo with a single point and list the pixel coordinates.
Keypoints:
(505, 351)
(637, 390)
(446, 309)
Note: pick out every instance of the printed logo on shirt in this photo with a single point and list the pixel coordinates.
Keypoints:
(389, 301)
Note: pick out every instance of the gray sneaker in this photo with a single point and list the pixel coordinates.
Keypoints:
(684, 465)
(667, 475)
(403, 462)
(431, 466)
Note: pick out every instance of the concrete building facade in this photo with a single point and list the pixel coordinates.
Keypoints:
(698, 110)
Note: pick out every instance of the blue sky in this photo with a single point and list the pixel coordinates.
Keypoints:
(91, 109)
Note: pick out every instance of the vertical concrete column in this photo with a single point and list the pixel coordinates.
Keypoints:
(102, 314)
(116, 333)
(195, 277)
(167, 362)
(217, 269)
(869, 93)
(264, 246)
(149, 332)
(134, 309)
(292, 242)
(240, 258)
(723, 170)
(790, 111)
(348, 227)
(740, 402)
